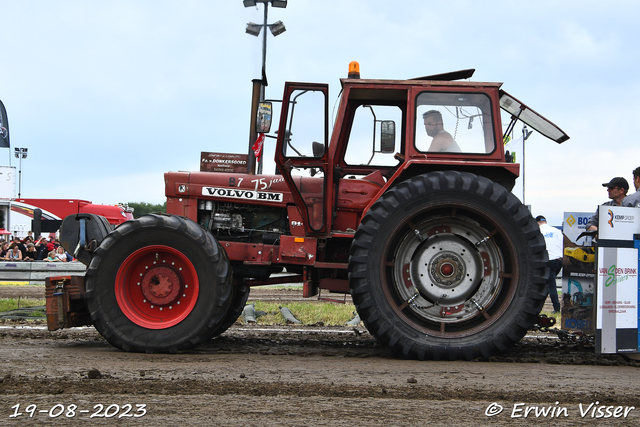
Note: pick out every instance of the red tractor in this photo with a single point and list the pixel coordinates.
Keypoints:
(406, 205)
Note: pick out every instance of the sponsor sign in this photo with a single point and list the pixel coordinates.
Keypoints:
(578, 279)
(8, 182)
(574, 224)
(238, 193)
(617, 300)
(223, 162)
(618, 223)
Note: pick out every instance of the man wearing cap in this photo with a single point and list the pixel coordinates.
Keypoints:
(633, 200)
(554, 240)
(617, 189)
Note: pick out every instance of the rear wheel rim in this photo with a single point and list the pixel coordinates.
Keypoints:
(156, 287)
(449, 271)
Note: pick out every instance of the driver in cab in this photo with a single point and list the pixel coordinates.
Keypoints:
(442, 140)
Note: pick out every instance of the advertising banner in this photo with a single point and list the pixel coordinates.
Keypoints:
(618, 223)
(578, 277)
(574, 224)
(617, 300)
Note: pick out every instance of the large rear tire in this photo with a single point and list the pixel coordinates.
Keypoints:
(158, 284)
(448, 265)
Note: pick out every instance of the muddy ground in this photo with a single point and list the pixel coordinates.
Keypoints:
(303, 376)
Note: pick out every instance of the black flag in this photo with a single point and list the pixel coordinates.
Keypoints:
(4, 127)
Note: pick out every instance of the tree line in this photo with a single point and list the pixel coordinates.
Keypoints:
(142, 208)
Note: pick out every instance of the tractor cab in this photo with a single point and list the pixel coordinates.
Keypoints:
(386, 131)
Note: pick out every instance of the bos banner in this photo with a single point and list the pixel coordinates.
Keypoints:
(578, 278)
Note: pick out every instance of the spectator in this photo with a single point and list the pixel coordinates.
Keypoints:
(633, 200)
(32, 252)
(617, 189)
(14, 253)
(61, 255)
(21, 247)
(41, 247)
(5, 249)
(554, 241)
(46, 248)
(51, 257)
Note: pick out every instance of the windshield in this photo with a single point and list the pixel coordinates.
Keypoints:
(450, 122)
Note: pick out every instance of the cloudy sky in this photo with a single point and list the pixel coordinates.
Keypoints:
(109, 95)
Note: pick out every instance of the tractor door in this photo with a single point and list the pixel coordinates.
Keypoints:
(302, 151)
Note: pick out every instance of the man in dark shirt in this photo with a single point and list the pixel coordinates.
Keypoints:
(617, 189)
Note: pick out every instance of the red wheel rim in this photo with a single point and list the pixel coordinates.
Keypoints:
(157, 287)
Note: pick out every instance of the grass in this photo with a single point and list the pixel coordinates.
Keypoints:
(16, 303)
(309, 313)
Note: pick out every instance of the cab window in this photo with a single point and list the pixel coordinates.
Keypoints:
(374, 136)
(454, 123)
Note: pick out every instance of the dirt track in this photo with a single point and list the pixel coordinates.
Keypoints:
(305, 376)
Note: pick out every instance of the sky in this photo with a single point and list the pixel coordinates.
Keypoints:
(109, 95)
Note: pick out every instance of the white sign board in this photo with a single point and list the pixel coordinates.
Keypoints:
(8, 182)
(618, 223)
(617, 300)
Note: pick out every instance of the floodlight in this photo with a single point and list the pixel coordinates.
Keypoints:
(253, 29)
(21, 153)
(279, 3)
(249, 3)
(277, 28)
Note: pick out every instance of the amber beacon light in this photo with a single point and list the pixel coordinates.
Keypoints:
(354, 70)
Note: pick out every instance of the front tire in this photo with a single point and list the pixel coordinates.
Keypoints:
(158, 284)
(448, 265)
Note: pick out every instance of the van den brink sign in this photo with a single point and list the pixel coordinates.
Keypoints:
(223, 162)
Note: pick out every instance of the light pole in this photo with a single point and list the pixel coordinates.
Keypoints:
(254, 29)
(21, 153)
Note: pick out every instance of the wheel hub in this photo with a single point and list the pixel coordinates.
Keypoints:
(160, 286)
(446, 269)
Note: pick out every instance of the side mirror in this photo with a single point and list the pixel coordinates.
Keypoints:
(317, 148)
(4, 127)
(263, 119)
(387, 136)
